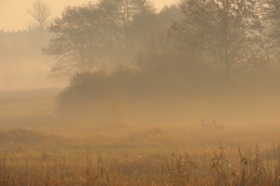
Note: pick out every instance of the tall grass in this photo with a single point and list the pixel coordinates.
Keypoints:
(158, 156)
(254, 169)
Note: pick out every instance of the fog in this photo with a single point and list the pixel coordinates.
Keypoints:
(14, 15)
(114, 92)
(163, 80)
(23, 66)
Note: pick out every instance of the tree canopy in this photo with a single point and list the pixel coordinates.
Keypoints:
(89, 36)
(220, 32)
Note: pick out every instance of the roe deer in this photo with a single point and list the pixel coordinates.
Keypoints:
(205, 125)
(220, 127)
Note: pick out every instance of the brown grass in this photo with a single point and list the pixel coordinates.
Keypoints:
(122, 154)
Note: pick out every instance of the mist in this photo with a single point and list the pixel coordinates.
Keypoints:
(136, 92)
(23, 65)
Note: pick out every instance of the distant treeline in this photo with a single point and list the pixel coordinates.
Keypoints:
(124, 48)
(193, 48)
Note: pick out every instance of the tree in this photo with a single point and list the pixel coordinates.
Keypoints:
(125, 21)
(40, 12)
(219, 32)
(270, 11)
(77, 40)
(167, 15)
(271, 18)
(94, 36)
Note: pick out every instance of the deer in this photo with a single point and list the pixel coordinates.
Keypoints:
(219, 127)
(205, 125)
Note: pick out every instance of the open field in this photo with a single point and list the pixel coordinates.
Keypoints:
(38, 148)
(116, 153)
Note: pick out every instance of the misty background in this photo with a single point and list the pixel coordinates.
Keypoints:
(21, 50)
(140, 60)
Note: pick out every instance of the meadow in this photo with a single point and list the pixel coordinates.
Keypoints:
(46, 150)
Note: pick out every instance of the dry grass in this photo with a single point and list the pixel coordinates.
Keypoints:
(43, 150)
(122, 154)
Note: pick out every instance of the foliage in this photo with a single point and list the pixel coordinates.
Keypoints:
(221, 33)
(91, 35)
(83, 89)
(270, 18)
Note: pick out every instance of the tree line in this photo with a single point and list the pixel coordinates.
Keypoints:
(100, 35)
(232, 37)
(126, 44)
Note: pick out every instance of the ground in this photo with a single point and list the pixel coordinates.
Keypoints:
(47, 150)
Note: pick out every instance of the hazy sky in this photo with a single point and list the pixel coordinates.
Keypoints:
(13, 13)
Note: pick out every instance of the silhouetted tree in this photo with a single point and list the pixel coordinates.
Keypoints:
(40, 12)
(218, 32)
(271, 12)
(94, 35)
(167, 16)
(271, 18)
(126, 21)
(266, 61)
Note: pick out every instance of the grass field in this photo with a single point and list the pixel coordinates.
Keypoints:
(37, 148)
(115, 153)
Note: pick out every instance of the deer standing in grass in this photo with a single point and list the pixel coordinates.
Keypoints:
(220, 127)
(205, 125)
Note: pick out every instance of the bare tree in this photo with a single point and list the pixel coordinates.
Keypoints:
(40, 12)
